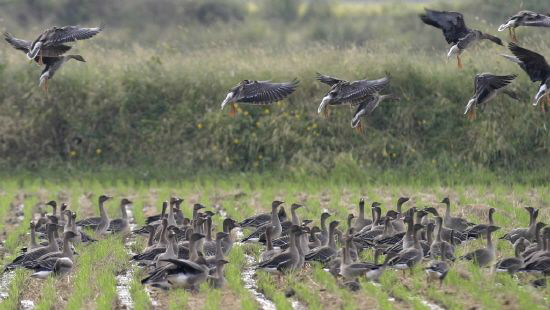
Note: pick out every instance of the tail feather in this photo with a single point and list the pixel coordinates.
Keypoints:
(511, 58)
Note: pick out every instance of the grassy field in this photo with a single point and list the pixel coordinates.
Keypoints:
(95, 281)
(166, 93)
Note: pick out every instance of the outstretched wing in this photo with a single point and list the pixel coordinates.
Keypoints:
(59, 35)
(451, 23)
(265, 92)
(486, 83)
(18, 44)
(24, 46)
(329, 80)
(533, 63)
(359, 90)
(535, 20)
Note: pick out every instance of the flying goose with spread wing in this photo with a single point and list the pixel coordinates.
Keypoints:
(486, 87)
(524, 18)
(455, 31)
(258, 93)
(536, 67)
(351, 92)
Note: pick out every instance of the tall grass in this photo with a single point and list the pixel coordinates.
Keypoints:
(156, 106)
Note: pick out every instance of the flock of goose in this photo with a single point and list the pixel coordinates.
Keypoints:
(365, 95)
(187, 251)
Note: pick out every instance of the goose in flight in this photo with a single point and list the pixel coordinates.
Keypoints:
(536, 67)
(455, 31)
(349, 92)
(51, 57)
(51, 41)
(524, 18)
(258, 93)
(486, 87)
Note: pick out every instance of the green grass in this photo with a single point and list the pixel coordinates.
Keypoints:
(48, 296)
(168, 99)
(137, 291)
(15, 290)
(93, 280)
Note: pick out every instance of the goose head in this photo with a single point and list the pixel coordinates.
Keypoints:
(104, 198)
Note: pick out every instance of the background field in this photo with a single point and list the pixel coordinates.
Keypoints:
(141, 119)
(96, 281)
(148, 98)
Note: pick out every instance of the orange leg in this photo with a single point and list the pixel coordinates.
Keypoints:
(40, 62)
(326, 112)
(514, 38)
(359, 128)
(233, 110)
(459, 62)
(542, 107)
(46, 86)
(510, 34)
(472, 114)
(548, 100)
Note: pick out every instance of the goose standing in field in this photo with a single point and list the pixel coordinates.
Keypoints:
(38, 252)
(258, 93)
(325, 252)
(269, 251)
(62, 266)
(398, 224)
(533, 247)
(438, 269)
(513, 264)
(275, 223)
(477, 230)
(524, 18)
(32, 241)
(536, 67)
(288, 260)
(485, 256)
(408, 258)
(455, 31)
(349, 92)
(218, 280)
(122, 224)
(94, 222)
(455, 223)
(48, 261)
(261, 219)
(486, 87)
(179, 273)
(441, 247)
(323, 236)
(528, 233)
(360, 221)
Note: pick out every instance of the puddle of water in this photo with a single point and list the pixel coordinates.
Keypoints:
(247, 276)
(123, 280)
(5, 281)
(429, 304)
(250, 284)
(123, 289)
(26, 305)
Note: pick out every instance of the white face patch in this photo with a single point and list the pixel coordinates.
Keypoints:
(227, 99)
